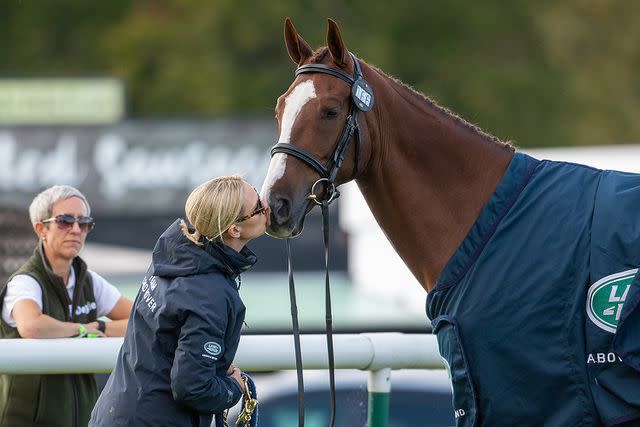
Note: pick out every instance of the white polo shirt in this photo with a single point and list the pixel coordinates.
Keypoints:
(23, 286)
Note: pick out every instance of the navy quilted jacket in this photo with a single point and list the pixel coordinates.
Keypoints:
(182, 336)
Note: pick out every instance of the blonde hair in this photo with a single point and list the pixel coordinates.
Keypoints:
(212, 207)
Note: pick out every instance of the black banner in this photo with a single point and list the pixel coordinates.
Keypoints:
(132, 167)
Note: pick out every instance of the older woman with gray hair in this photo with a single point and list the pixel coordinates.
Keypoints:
(55, 295)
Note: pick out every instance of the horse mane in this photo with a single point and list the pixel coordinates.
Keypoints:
(320, 54)
(462, 122)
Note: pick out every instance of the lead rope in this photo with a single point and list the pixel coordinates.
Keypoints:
(296, 337)
(329, 324)
(329, 319)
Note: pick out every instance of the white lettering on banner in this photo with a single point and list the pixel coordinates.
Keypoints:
(30, 169)
(123, 168)
(459, 413)
(600, 358)
(146, 297)
(123, 171)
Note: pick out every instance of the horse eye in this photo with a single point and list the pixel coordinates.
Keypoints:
(329, 113)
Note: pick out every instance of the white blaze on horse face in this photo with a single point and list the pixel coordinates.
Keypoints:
(293, 104)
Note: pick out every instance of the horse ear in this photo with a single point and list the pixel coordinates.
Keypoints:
(335, 44)
(298, 49)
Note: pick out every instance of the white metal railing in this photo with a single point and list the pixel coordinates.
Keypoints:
(369, 351)
(377, 353)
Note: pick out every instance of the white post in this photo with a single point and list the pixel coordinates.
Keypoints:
(379, 386)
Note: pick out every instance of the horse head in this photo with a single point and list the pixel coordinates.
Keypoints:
(319, 134)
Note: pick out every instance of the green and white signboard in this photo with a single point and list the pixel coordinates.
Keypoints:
(53, 101)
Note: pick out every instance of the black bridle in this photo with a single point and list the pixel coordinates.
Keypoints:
(361, 100)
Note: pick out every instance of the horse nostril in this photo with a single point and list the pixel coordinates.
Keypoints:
(282, 210)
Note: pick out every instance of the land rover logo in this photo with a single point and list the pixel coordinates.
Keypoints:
(213, 348)
(606, 297)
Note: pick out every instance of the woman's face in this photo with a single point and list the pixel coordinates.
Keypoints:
(255, 214)
(64, 242)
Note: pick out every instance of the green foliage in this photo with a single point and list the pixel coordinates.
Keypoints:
(536, 73)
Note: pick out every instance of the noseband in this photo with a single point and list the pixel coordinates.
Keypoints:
(361, 100)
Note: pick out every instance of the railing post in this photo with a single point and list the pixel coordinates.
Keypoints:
(379, 386)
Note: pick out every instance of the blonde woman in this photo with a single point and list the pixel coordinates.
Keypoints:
(175, 366)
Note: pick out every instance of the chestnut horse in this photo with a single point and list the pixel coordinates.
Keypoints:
(509, 314)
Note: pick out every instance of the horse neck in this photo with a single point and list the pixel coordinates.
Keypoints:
(429, 174)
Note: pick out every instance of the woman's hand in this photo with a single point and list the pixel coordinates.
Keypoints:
(92, 328)
(234, 372)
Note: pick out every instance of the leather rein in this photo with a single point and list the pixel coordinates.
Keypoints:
(361, 100)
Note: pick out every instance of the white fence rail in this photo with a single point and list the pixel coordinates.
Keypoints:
(370, 351)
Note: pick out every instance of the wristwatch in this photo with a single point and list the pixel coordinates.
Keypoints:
(102, 327)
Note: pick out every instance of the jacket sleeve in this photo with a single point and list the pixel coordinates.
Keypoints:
(194, 382)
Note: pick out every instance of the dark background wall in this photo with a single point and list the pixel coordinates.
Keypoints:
(17, 242)
(141, 231)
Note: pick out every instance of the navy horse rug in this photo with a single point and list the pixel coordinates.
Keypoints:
(537, 313)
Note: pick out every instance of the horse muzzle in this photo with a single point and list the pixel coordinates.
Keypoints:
(287, 219)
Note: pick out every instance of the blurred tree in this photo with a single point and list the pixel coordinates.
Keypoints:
(56, 38)
(537, 73)
(596, 44)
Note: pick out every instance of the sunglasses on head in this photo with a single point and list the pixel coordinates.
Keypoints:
(65, 222)
(256, 211)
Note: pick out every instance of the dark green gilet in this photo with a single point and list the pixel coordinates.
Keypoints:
(51, 400)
